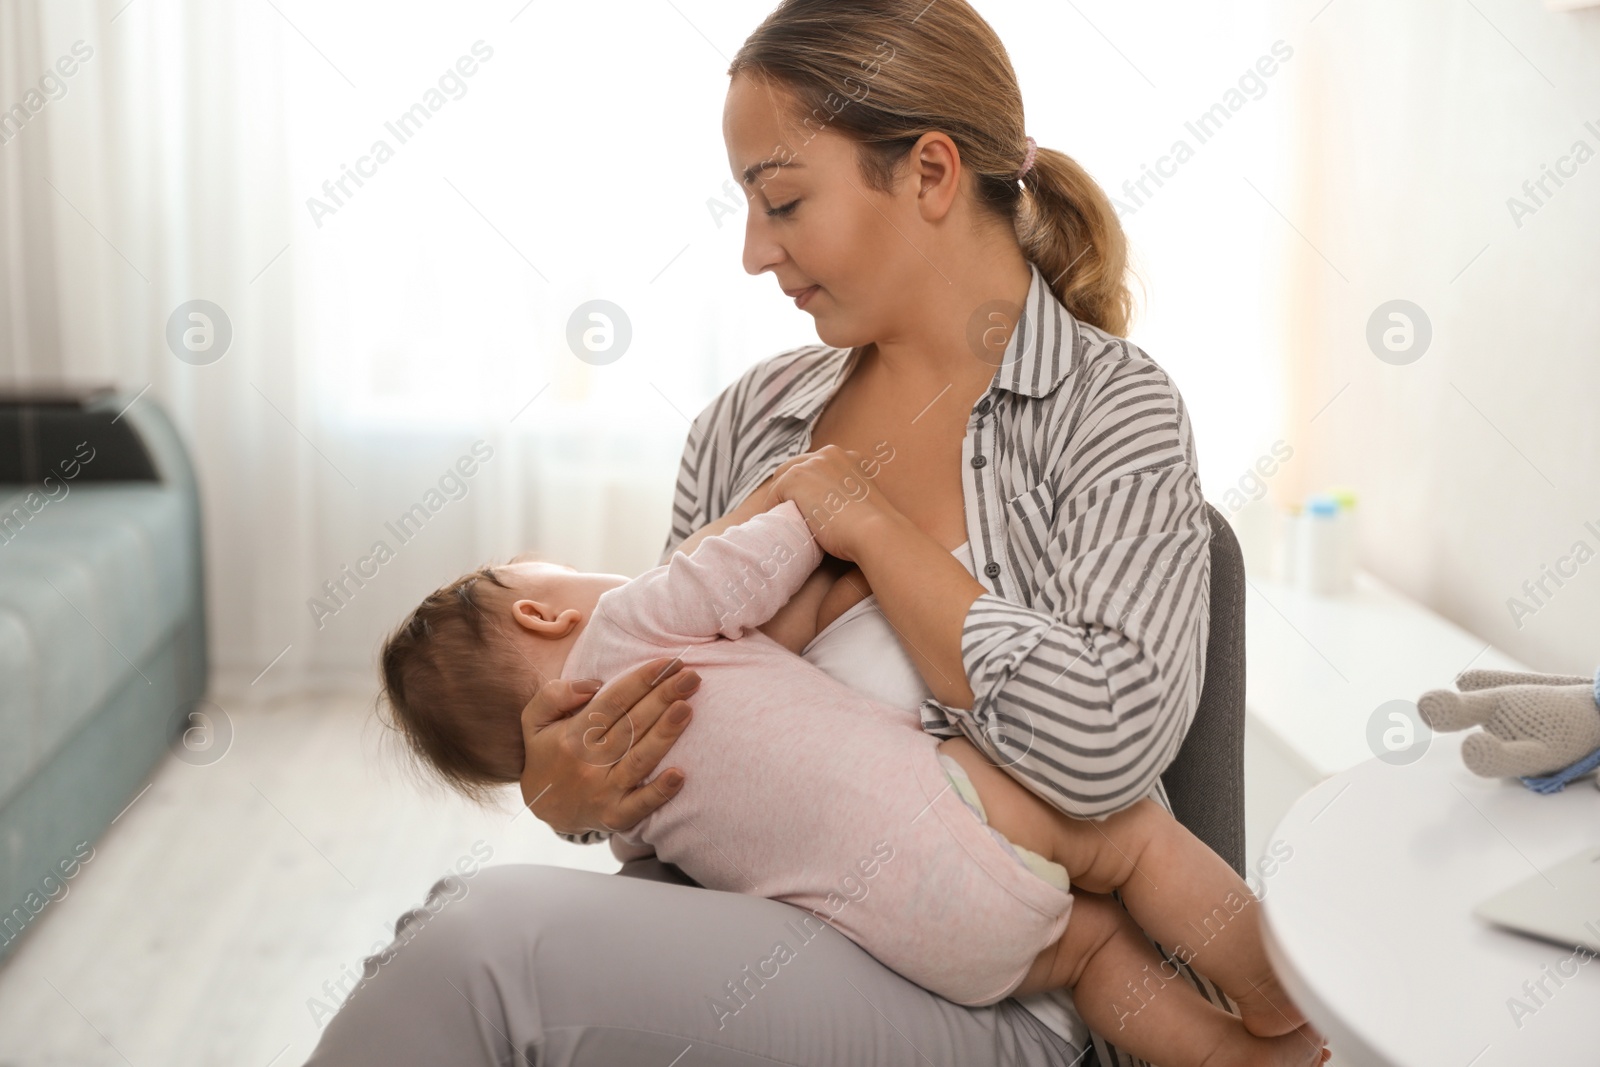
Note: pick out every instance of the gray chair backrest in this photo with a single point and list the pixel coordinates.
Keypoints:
(1205, 783)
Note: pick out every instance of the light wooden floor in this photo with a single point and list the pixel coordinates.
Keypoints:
(226, 895)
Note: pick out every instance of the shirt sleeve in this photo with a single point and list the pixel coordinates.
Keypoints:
(729, 585)
(705, 471)
(1085, 693)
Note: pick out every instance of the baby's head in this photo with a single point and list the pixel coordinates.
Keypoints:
(459, 670)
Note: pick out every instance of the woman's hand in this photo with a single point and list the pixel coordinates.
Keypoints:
(584, 768)
(833, 489)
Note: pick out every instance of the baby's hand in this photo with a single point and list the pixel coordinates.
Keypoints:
(800, 620)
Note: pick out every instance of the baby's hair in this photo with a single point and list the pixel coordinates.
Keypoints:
(456, 688)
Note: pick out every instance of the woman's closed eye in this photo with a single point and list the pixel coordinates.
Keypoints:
(782, 212)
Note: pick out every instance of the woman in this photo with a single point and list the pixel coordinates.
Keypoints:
(1030, 524)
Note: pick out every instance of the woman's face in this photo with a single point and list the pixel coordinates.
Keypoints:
(812, 221)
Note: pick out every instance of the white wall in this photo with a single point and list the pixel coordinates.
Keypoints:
(1479, 463)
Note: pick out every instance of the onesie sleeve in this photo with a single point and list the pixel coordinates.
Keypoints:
(730, 584)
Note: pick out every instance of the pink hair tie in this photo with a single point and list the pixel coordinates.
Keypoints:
(1027, 162)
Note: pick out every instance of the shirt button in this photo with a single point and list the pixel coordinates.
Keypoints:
(978, 461)
(991, 569)
(983, 406)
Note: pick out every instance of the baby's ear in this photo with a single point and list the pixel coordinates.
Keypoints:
(545, 620)
(530, 613)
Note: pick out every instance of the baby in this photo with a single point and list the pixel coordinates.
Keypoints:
(800, 789)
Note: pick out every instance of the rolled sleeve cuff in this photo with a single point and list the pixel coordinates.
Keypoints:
(997, 637)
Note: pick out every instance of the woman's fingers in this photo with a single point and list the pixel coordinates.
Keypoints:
(652, 720)
(575, 739)
(609, 708)
(654, 725)
(607, 739)
(635, 805)
(833, 466)
(555, 700)
(635, 798)
(545, 764)
(651, 745)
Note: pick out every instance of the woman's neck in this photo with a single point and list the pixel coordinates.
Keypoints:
(943, 341)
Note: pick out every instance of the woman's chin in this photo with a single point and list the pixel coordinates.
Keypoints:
(834, 334)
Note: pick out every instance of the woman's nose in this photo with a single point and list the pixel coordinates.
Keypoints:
(761, 252)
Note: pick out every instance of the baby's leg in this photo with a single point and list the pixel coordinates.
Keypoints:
(1180, 891)
(1130, 996)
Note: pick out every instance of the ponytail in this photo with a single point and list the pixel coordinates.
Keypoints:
(1070, 231)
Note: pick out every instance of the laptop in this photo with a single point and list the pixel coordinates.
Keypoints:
(1560, 904)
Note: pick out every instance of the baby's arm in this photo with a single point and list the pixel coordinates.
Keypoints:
(751, 506)
(825, 595)
(802, 618)
(731, 583)
(832, 589)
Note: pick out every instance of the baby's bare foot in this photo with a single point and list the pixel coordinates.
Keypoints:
(1302, 1048)
(1266, 1008)
(1299, 1048)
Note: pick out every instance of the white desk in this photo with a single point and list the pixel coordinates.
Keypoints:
(1369, 920)
(1319, 667)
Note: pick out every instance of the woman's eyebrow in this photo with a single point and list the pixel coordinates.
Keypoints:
(769, 164)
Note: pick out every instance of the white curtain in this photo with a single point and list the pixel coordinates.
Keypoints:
(400, 207)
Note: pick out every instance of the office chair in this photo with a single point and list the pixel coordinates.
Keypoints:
(1205, 782)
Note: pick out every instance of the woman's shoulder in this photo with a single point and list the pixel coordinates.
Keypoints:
(1120, 400)
(1105, 359)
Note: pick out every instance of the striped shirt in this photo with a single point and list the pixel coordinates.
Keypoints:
(1086, 652)
(1088, 530)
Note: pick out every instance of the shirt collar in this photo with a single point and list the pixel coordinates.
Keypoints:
(1039, 356)
(1043, 347)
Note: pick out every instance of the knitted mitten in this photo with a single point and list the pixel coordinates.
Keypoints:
(1533, 724)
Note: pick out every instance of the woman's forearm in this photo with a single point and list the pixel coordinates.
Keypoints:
(925, 593)
(922, 589)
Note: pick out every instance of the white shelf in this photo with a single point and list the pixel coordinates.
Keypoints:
(1318, 669)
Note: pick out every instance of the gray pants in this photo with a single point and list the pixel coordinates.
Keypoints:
(534, 965)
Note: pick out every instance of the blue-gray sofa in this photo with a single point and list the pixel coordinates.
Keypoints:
(102, 627)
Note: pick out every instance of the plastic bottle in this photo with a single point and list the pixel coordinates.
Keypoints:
(1347, 534)
(1286, 543)
(1319, 560)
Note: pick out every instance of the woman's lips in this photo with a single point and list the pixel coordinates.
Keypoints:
(804, 296)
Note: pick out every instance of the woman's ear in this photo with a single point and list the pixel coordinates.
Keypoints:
(542, 620)
(936, 171)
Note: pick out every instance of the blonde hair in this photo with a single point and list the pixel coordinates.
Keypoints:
(885, 72)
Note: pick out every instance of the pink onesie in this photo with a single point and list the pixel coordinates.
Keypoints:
(800, 789)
